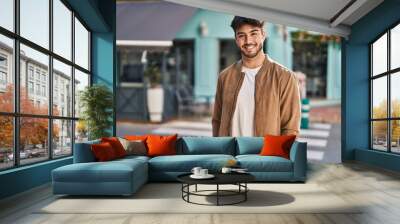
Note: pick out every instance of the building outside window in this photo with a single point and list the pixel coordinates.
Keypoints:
(385, 96)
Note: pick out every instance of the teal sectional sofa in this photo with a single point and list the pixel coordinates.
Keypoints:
(125, 176)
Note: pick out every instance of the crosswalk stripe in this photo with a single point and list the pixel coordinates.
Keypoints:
(314, 142)
(320, 126)
(314, 133)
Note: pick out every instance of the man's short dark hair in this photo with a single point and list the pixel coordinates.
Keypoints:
(238, 21)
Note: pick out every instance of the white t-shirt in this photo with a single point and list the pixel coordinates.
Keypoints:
(243, 117)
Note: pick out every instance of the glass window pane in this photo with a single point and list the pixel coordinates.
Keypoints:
(81, 81)
(395, 47)
(62, 89)
(6, 142)
(33, 140)
(34, 97)
(6, 74)
(379, 55)
(62, 29)
(35, 21)
(395, 94)
(81, 131)
(62, 138)
(379, 97)
(395, 136)
(379, 135)
(81, 45)
(7, 14)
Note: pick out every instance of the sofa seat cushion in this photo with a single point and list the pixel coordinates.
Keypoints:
(257, 163)
(134, 157)
(185, 163)
(111, 171)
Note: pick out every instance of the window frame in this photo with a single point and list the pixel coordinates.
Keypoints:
(16, 114)
(388, 74)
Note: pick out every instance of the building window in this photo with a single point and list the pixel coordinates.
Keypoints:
(3, 61)
(30, 73)
(3, 71)
(3, 78)
(55, 128)
(385, 97)
(30, 87)
(43, 77)
(38, 89)
(37, 74)
(44, 91)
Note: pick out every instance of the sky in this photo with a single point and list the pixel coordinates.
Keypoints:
(35, 27)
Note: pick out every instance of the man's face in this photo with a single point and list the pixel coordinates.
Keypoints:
(250, 40)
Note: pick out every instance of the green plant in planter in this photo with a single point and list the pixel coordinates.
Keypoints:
(96, 102)
(153, 75)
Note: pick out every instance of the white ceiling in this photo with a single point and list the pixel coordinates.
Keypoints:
(312, 15)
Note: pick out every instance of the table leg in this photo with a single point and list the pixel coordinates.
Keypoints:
(217, 194)
(245, 193)
(196, 188)
(188, 192)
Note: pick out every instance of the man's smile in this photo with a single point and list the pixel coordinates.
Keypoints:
(249, 46)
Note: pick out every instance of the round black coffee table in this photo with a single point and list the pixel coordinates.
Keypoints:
(238, 179)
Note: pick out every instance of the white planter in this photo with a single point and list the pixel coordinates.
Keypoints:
(155, 103)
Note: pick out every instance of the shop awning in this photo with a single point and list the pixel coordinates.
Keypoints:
(153, 24)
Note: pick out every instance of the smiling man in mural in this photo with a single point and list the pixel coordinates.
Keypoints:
(255, 96)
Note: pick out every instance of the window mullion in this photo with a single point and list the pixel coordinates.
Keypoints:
(16, 85)
(389, 106)
(371, 141)
(50, 81)
(73, 82)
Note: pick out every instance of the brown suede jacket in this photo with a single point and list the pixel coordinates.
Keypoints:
(277, 100)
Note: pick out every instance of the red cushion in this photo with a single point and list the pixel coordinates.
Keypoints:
(116, 145)
(161, 145)
(103, 151)
(277, 145)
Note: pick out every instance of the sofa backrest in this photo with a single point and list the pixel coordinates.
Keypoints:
(206, 145)
(249, 145)
(83, 152)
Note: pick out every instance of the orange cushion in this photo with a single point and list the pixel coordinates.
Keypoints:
(103, 151)
(277, 145)
(161, 145)
(116, 145)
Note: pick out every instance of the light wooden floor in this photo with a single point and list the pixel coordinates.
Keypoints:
(377, 188)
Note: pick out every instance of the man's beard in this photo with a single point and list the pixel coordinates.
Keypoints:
(260, 46)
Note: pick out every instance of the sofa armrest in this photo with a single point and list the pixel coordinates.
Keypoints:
(83, 152)
(298, 155)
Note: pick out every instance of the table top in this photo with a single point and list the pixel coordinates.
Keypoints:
(220, 178)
